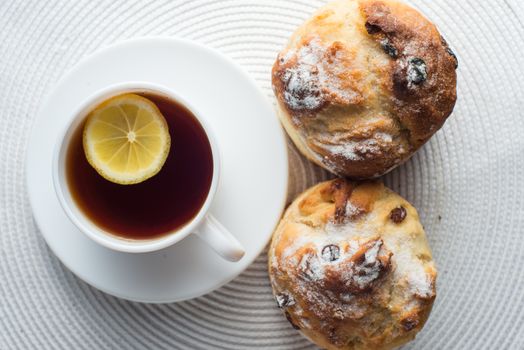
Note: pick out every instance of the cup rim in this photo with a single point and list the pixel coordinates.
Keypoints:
(84, 223)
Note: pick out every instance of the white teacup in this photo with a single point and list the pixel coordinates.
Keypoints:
(203, 224)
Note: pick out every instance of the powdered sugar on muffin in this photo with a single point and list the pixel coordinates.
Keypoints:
(351, 268)
(363, 84)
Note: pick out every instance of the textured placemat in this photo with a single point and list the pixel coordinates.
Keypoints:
(466, 182)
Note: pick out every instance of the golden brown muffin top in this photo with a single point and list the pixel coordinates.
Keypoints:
(351, 268)
(365, 83)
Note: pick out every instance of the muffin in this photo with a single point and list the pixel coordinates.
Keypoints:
(351, 268)
(363, 84)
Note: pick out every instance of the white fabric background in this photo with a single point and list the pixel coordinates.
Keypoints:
(466, 182)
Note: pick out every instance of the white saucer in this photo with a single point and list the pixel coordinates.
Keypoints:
(252, 189)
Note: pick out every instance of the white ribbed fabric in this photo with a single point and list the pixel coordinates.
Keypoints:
(466, 182)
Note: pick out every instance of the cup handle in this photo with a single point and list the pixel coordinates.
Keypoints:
(220, 239)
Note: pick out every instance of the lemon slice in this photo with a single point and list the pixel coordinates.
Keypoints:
(126, 139)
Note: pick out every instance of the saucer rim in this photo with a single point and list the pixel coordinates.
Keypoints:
(77, 67)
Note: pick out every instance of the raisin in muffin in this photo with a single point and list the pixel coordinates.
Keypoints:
(351, 268)
(363, 84)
